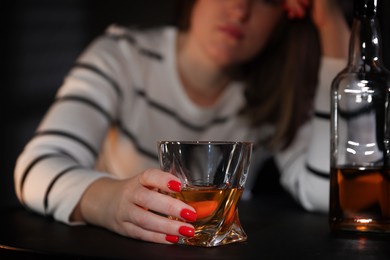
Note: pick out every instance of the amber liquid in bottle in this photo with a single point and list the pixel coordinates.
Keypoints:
(360, 132)
(362, 200)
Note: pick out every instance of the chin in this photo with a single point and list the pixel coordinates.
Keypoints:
(225, 62)
(224, 59)
(229, 58)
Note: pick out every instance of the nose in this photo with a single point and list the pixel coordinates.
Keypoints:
(240, 9)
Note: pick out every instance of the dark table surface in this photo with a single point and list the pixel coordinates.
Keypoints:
(276, 227)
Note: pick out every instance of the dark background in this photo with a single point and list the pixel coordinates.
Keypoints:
(42, 40)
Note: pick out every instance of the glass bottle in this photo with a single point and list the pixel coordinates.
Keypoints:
(360, 135)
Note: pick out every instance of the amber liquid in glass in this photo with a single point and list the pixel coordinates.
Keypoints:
(360, 200)
(217, 216)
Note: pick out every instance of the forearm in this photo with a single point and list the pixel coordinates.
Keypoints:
(94, 202)
(51, 183)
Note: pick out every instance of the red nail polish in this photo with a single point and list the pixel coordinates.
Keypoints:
(186, 231)
(174, 185)
(300, 14)
(172, 239)
(188, 215)
(291, 15)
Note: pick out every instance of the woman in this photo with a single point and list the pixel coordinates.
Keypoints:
(230, 73)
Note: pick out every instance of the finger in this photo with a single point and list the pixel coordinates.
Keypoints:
(163, 204)
(146, 225)
(139, 233)
(295, 8)
(159, 179)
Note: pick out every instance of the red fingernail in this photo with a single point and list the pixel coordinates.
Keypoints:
(172, 239)
(300, 14)
(174, 185)
(186, 231)
(188, 215)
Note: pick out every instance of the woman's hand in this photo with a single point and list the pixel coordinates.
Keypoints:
(296, 8)
(329, 20)
(134, 207)
(322, 11)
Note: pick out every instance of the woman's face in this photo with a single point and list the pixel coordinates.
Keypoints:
(232, 31)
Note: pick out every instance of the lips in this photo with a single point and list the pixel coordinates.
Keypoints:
(232, 31)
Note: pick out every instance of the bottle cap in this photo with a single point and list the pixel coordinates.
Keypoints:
(365, 7)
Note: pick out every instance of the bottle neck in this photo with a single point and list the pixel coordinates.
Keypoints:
(365, 44)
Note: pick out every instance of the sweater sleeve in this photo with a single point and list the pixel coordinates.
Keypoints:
(58, 163)
(305, 164)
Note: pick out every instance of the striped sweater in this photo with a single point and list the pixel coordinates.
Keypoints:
(121, 97)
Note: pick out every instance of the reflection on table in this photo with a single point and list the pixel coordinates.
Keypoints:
(276, 227)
